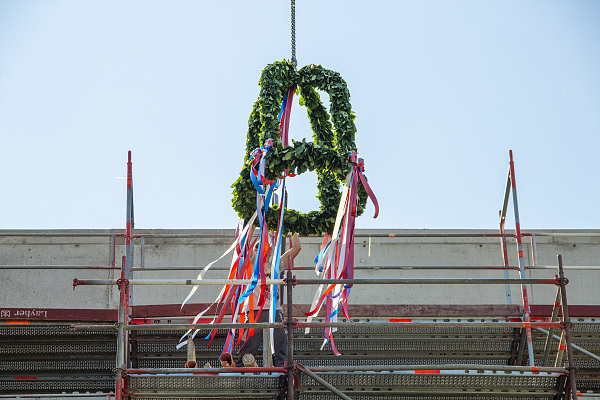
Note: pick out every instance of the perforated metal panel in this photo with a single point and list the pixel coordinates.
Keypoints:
(54, 359)
(501, 385)
(189, 381)
(238, 396)
(447, 380)
(589, 384)
(586, 362)
(57, 365)
(57, 348)
(589, 380)
(206, 386)
(166, 347)
(378, 396)
(54, 330)
(54, 384)
(341, 361)
(586, 325)
(592, 345)
(175, 362)
(410, 330)
(176, 332)
(442, 344)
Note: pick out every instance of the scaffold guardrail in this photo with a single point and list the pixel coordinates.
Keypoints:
(131, 381)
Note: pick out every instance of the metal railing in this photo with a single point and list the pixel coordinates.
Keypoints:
(122, 326)
(126, 281)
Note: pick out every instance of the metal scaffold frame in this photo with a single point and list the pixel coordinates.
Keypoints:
(123, 370)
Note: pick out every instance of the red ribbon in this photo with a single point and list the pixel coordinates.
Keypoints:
(359, 166)
(347, 271)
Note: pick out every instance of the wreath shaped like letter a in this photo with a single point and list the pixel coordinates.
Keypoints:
(328, 154)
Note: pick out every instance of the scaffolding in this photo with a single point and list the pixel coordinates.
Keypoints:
(486, 377)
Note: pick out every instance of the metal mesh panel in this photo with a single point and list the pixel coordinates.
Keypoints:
(54, 330)
(538, 345)
(176, 332)
(589, 384)
(36, 348)
(370, 346)
(236, 396)
(407, 345)
(201, 346)
(395, 361)
(52, 365)
(399, 330)
(580, 361)
(587, 363)
(593, 346)
(175, 363)
(341, 380)
(234, 381)
(588, 380)
(585, 385)
(583, 327)
(326, 396)
(16, 385)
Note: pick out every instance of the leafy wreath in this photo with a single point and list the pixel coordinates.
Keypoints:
(328, 154)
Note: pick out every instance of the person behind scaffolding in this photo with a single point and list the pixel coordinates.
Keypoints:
(248, 351)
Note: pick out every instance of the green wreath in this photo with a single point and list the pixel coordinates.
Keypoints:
(328, 154)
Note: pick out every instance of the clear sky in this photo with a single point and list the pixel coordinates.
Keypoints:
(441, 89)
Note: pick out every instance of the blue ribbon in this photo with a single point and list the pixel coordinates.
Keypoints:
(262, 223)
(319, 258)
(283, 107)
(275, 266)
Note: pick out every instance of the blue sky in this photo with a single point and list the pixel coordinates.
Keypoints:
(441, 89)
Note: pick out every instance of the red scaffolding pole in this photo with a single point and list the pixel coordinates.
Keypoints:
(511, 184)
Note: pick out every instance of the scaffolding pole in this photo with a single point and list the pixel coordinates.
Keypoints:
(567, 329)
(300, 325)
(503, 238)
(578, 348)
(362, 235)
(125, 298)
(241, 282)
(124, 327)
(358, 267)
(290, 333)
(561, 350)
(375, 268)
(362, 368)
(129, 226)
(323, 382)
(550, 332)
(121, 334)
(526, 309)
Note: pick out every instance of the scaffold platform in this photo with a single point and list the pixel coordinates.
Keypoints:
(407, 362)
(388, 351)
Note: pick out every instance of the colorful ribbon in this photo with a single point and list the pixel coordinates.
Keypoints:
(238, 298)
(336, 258)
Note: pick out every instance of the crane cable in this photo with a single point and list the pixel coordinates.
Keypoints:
(294, 61)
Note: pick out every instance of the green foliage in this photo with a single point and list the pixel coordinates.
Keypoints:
(327, 155)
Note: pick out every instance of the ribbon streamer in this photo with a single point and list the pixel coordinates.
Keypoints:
(336, 259)
(239, 299)
(240, 259)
